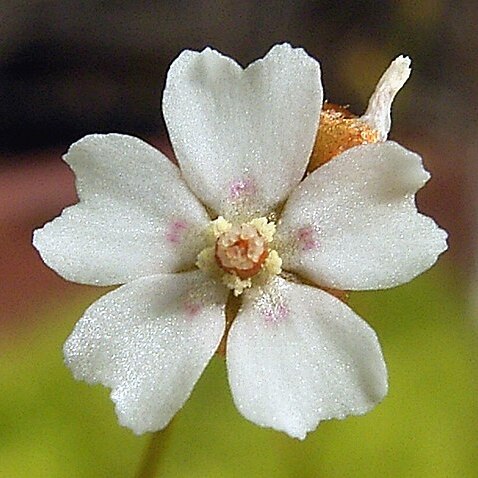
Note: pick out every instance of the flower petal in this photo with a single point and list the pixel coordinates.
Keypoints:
(297, 355)
(353, 223)
(243, 137)
(149, 341)
(378, 114)
(136, 216)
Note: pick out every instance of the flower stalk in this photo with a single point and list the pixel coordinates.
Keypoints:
(154, 453)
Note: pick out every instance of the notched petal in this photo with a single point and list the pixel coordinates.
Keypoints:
(297, 355)
(243, 137)
(135, 217)
(149, 341)
(353, 223)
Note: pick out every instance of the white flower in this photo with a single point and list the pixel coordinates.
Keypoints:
(296, 355)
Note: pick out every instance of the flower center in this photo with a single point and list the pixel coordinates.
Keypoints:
(241, 251)
(240, 255)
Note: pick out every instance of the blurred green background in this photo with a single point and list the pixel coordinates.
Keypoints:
(53, 426)
(69, 68)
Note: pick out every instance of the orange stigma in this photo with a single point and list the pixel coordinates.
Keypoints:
(241, 251)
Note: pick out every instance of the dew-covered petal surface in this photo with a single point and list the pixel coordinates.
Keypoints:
(353, 223)
(243, 137)
(136, 216)
(149, 341)
(296, 355)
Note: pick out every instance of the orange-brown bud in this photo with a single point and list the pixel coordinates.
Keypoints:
(339, 130)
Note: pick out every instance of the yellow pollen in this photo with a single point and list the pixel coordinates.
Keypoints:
(339, 130)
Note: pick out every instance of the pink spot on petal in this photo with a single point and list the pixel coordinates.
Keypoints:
(306, 239)
(192, 309)
(176, 231)
(276, 313)
(241, 188)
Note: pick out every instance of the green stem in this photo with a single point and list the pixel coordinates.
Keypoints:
(154, 453)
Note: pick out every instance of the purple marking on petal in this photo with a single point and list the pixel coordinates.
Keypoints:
(276, 313)
(241, 188)
(305, 237)
(176, 230)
